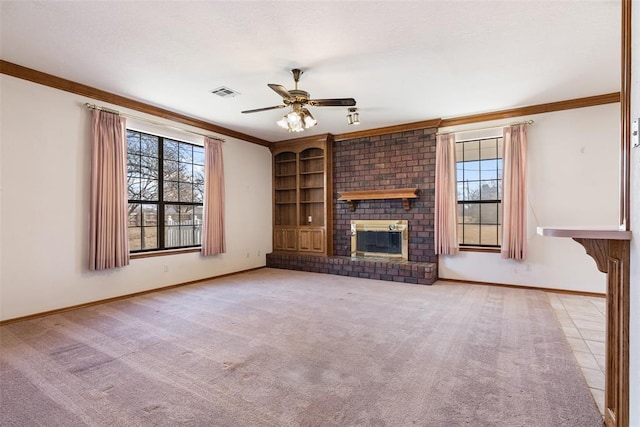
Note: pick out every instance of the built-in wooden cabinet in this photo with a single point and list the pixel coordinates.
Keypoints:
(302, 195)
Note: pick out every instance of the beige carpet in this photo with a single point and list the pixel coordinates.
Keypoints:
(285, 348)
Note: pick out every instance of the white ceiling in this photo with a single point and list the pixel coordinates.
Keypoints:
(403, 61)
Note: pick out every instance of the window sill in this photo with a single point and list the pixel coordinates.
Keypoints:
(165, 252)
(479, 249)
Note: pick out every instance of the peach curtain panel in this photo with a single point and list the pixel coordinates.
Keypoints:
(514, 195)
(446, 201)
(108, 241)
(213, 238)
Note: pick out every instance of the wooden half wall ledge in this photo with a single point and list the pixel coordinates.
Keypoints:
(597, 241)
(406, 194)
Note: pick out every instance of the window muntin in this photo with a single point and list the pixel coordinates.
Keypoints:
(165, 181)
(479, 181)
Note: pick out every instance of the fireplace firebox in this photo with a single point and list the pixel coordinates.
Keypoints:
(379, 238)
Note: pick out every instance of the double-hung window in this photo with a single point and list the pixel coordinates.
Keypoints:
(165, 180)
(479, 182)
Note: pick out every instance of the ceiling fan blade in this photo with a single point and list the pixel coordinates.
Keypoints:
(280, 90)
(264, 109)
(332, 102)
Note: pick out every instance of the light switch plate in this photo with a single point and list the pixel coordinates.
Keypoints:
(635, 140)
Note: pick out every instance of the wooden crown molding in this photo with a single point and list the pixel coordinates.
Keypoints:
(425, 124)
(306, 140)
(570, 104)
(49, 80)
(55, 82)
(310, 138)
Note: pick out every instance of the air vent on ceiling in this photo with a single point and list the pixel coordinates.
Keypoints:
(225, 92)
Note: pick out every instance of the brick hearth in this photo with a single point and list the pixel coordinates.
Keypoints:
(421, 273)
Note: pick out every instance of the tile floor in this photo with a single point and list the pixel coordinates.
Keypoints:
(583, 321)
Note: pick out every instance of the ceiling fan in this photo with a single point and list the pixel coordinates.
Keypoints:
(300, 118)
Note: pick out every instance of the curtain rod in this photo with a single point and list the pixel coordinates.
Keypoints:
(526, 122)
(109, 110)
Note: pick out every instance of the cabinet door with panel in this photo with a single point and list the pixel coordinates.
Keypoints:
(311, 239)
(285, 239)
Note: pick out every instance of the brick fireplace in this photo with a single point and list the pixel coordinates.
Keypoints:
(389, 161)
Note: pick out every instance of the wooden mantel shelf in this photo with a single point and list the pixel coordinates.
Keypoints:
(352, 197)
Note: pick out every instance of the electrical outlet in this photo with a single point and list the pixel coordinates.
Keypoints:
(166, 268)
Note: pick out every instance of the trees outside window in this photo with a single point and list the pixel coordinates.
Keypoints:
(165, 181)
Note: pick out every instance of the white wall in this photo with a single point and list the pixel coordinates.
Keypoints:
(45, 162)
(634, 321)
(572, 180)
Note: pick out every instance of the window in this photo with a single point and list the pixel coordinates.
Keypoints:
(165, 180)
(479, 180)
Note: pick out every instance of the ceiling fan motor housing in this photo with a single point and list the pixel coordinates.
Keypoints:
(297, 96)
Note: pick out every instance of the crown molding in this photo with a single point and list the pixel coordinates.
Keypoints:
(569, 104)
(425, 124)
(49, 80)
(55, 82)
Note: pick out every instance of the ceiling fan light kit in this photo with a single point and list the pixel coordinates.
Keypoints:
(300, 118)
(297, 121)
